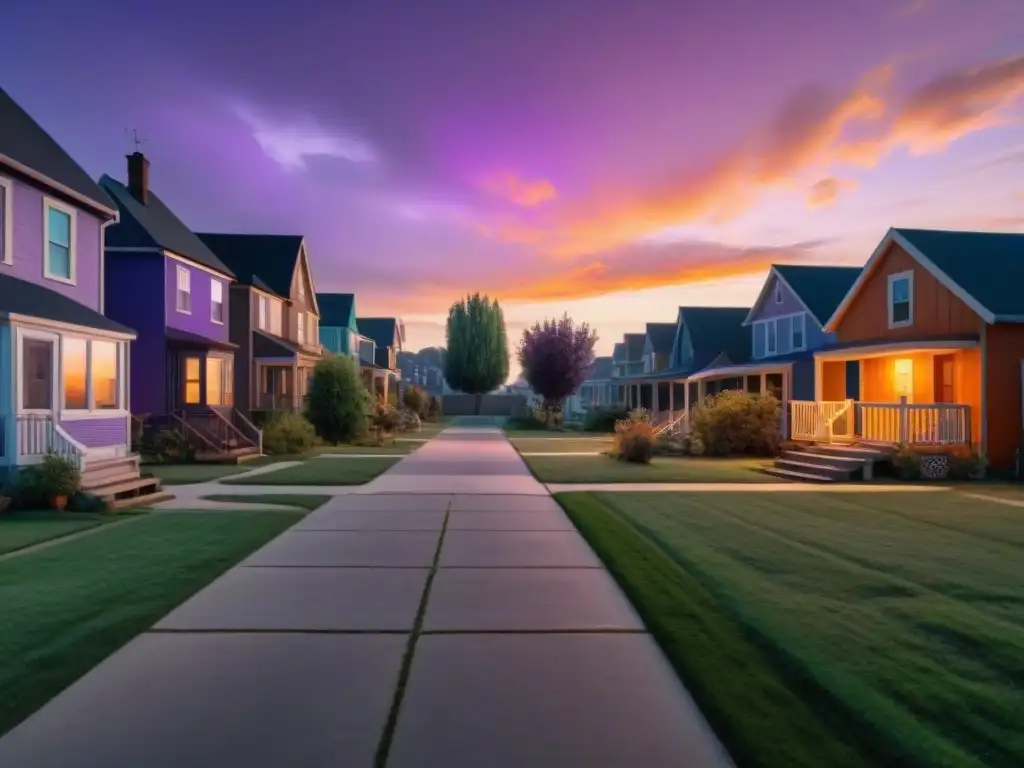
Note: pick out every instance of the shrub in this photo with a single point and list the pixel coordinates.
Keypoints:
(58, 476)
(87, 502)
(526, 418)
(171, 446)
(967, 466)
(634, 438)
(906, 463)
(385, 418)
(288, 433)
(337, 402)
(735, 422)
(434, 408)
(415, 399)
(409, 421)
(603, 419)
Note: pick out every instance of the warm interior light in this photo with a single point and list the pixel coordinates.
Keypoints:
(903, 369)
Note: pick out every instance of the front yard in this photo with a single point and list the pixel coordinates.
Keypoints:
(602, 469)
(66, 607)
(25, 529)
(831, 629)
(570, 443)
(322, 471)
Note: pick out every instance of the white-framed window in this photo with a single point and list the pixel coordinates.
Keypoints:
(275, 317)
(799, 338)
(183, 292)
(220, 380)
(302, 284)
(216, 301)
(263, 312)
(901, 299)
(90, 374)
(778, 292)
(773, 339)
(37, 373)
(314, 330)
(6, 221)
(300, 328)
(59, 241)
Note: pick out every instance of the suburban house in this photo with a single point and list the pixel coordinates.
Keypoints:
(64, 365)
(380, 344)
(175, 292)
(425, 369)
(275, 318)
(597, 391)
(935, 320)
(339, 332)
(658, 346)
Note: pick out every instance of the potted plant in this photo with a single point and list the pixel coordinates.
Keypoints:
(58, 479)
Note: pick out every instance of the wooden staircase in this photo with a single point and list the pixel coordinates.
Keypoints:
(229, 439)
(830, 462)
(119, 482)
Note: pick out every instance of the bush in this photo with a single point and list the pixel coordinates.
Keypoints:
(415, 399)
(967, 467)
(526, 419)
(735, 422)
(634, 438)
(87, 502)
(288, 433)
(385, 418)
(409, 421)
(337, 402)
(434, 408)
(57, 476)
(906, 463)
(603, 419)
(171, 446)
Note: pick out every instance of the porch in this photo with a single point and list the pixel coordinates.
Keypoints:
(376, 379)
(281, 374)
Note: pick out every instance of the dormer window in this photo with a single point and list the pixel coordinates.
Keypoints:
(901, 299)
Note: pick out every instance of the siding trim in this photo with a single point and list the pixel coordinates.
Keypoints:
(772, 272)
(983, 437)
(47, 181)
(7, 246)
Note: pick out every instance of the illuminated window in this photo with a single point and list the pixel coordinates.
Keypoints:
(74, 363)
(901, 299)
(214, 381)
(903, 377)
(192, 385)
(103, 374)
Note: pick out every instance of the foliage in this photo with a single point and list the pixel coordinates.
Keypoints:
(172, 446)
(527, 419)
(409, 421)
(288, 433)
(337, 401)
(87, 502)
(139, 425)
(736, 422)
(57, 476)
(968, 467)
(434, 408)
(906, 463)
(415, 399)
(476, 361)
(385, 418)
(635, 438)
(603, 419)
(557, 357)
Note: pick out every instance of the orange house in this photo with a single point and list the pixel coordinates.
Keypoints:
(936, 323)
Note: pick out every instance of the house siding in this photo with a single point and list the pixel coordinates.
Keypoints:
(98, 433)
(133, 280)
(768, 308)
(28, 248)
(937, 311)
(1004, 350)
(199, 321)
(304, 304)
(242, 323)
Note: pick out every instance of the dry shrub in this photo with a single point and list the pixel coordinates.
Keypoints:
(736, 422)
(634, 438)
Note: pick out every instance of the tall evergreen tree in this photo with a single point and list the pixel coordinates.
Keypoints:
(476, 361)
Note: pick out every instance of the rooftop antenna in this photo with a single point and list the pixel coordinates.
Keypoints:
(133, 135)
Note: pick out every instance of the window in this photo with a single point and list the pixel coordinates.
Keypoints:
(901, 299)
(36, 375)
(778, 292)
(263, 310)
(773, 342)
(302, 285)
(103, 374)
(74, 368)
(214, 381)
(192, 380)
(183, 296)
(6, 223)
(216, 301)
(275, 317)
(313, 332)
(300, 328)
(799, 323)
(229, 381)
(60, 257)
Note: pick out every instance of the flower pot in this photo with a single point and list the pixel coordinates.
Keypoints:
(59, 502)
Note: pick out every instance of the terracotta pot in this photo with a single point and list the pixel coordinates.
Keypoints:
(59, 502)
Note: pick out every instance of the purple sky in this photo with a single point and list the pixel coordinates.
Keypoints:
(609, 159)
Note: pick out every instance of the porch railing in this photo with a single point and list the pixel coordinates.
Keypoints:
(931, 424)
(268, 401)
(677, 424)
(39, 434)
(825, 420)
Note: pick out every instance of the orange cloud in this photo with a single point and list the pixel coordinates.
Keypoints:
(524, 192)
(824, 193)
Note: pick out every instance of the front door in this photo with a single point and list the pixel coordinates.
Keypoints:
(944, 378)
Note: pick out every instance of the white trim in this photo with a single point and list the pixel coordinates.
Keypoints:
(803, 332)
(76, 414)
(223, 309)
(748, 369)
(887, 349)
(774, 272)
(36, 176)
(778, 292)
(7, 246)
(183, 259)
(72, 214)
(771, 338)
(133, 249)
(907, 275)
(103, 261)
(182, 287)
(983, 436)
(309, 277)
(57, 326)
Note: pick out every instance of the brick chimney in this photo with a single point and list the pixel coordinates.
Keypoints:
(138, 177)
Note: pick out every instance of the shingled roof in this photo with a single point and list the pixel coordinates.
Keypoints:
(20, 297)
(714, 330)
(266, 262)
(336, 309)
(820, 288)
(634, 346)
(383, 330)
(601, 369)
(661, 336)
(24, 143)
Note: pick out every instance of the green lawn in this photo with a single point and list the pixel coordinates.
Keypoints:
(390, 449)
(189, 474)
(67, 607)
(354, 471)
(23, 529)
(300, 500)
(831, 629)
(602, 469)
(570, 444)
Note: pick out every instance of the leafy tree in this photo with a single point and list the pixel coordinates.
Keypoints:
(476, 361)
(415, 399)
(338, 402)
(556, 356)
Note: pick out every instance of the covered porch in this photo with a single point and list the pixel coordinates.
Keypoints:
(911, 393)
(377, 379)
(774, 377)
(281, 374)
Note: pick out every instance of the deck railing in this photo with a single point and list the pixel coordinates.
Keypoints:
(910, 424)
(39, 434)
(824, 420)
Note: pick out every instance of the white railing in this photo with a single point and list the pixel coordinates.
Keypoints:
(677, 425)
(823, 420)
(934, 424)
(39, 435)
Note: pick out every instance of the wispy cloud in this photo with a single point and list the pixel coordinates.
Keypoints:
(915, 7)
(825, 193)
(525, 192)
(291, 141)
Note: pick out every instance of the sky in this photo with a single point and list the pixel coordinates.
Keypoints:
(606, 159)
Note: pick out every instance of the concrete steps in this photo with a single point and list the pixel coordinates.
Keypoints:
(119, 482)
(830, 463)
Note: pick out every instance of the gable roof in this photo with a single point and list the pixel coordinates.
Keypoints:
(336, 309)
(29, 149)
(634, 346)
(714, 330)
(601, 369)
(619, 352)
(266, 262)
(661, 336)
(383, 330)
(983, 269)
(20, 297)
(819, 288)
(154, 225)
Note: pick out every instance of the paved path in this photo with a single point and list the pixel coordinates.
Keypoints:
(467, 625)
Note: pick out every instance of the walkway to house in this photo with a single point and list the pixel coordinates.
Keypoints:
(448, 615)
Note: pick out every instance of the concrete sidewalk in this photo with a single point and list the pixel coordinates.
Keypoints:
(414, 624)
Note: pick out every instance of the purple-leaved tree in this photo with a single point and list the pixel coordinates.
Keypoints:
(556, 357)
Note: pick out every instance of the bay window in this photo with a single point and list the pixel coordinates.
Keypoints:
(90, 373)
(103, 374)
(74, 369)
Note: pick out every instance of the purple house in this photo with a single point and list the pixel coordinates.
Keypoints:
(64, 374)
(168, 285)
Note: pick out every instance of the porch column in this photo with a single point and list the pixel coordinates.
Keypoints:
(702, 390)
(819, 378)
(686, 395)
(295, 387)
(784, 425)
(654, 396)
(764, 383)
(671, 400)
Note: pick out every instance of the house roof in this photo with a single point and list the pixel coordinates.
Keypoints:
(983, 269)
(187, 340)
(722, 366)
(383, 330)
(30, 149)
(154, 225)
(661, 335)
(601, 369)
(336, 309)
(635, 345)
(619, 352)
(717, 329)
(820, 288)
(20, 297)
(265, 345)
(266, 262)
